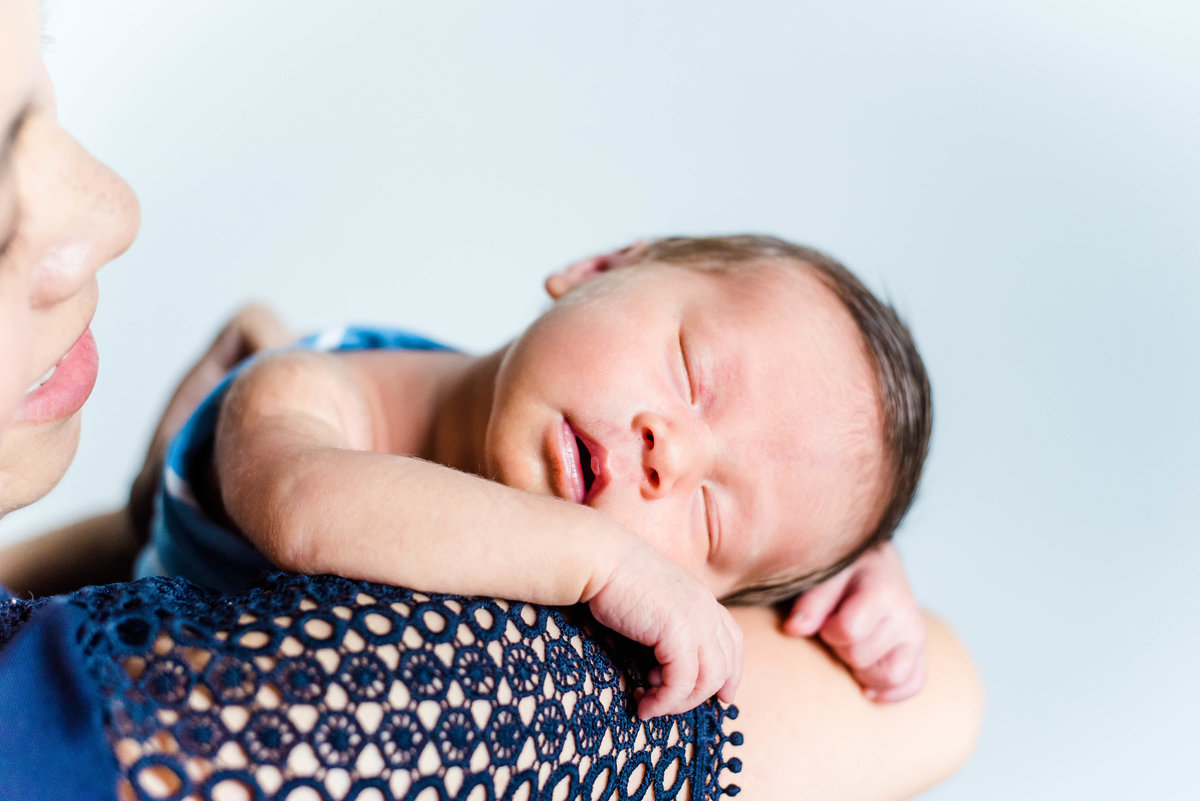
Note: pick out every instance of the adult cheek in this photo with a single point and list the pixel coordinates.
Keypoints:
(15, 359)
(54, 329)
(80, 214)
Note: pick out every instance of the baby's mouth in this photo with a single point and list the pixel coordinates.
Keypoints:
(586, 465)
(585, 462)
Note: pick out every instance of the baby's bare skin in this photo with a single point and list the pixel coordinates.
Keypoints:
(299, 481)
(720, 458)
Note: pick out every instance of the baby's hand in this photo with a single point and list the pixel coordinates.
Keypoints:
(867, 614)
(698, 645)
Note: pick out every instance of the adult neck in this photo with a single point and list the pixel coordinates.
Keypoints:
(462, 411)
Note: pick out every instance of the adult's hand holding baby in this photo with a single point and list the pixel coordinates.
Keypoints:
(251, 329)
(867, 614)
(651, 600)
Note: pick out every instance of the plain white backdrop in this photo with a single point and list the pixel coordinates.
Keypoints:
(1021, 178)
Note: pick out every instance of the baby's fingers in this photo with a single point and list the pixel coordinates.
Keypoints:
(900, 674)
(813, 608)
(731, 642)
(713, 668)
(718, 671)
(865, 651)
(858, 617)
(678, 676)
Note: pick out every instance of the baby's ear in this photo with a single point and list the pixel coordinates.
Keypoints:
(563, 281)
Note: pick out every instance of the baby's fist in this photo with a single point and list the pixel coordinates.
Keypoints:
(867, 614)
(696, 641)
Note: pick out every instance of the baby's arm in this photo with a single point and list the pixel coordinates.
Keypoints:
(867, 614)
(299, 471)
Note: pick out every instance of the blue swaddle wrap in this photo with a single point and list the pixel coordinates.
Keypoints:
(184, 540)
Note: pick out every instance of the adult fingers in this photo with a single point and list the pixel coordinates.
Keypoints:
(253, 328)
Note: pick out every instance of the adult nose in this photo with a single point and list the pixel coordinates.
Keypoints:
(77, 214)
(673, 454)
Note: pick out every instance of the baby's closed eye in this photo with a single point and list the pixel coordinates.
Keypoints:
(712, 521)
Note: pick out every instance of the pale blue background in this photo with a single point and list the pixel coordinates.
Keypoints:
(1022, 178)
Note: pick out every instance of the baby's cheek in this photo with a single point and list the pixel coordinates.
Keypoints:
(666, 534)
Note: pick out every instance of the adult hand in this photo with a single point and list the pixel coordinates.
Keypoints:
(252, 328)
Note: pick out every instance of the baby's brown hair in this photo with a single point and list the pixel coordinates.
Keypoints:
(900, 375)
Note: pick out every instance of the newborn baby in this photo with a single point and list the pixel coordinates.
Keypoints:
(691, 421)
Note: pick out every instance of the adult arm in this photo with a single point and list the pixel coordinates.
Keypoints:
(810, 732)
(95, 550)
(101, 549)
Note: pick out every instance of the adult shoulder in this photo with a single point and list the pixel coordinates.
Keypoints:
(808, 728)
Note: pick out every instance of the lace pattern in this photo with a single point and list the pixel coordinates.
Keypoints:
(320, 688)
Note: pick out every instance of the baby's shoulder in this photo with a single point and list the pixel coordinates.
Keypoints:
(288, 368)
(288, 381)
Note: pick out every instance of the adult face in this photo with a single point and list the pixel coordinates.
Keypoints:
(63, 216)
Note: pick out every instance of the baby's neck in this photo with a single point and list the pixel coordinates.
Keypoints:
(463, 407)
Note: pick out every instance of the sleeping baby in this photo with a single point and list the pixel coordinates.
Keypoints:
(692, 421)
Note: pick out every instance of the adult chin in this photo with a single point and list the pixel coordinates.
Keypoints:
(33, 458)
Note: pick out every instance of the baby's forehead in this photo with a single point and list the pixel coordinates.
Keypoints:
(821, 500)
(784, 310)
(775, 292)
(811, 449)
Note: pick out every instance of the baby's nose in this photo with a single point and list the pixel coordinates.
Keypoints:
(671, 453)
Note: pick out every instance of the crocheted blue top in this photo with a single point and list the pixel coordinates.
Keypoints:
(324, 688)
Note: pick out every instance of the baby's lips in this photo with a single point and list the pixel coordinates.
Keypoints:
(571, 474)
(598, 462)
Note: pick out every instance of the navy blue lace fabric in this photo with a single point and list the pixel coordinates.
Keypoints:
(328, 689)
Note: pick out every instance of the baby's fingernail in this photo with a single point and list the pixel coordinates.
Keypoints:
(871, 693)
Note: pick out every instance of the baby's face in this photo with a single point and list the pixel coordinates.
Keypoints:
(729, 419)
